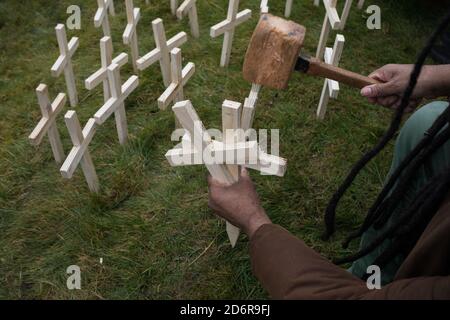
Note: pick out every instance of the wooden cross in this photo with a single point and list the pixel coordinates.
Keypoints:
(110, 5)
(180, 76)
(227, 27)
(64, 62)
(189, 7)
(101, 75)
(332, 21)
(264, 6)
(330, 87)
(162, 51)
(80, 153)
(101, 16)
(173, 6)
(288, 10)
(116, 104)
(242, 153)
(47, 124)
(130, 34)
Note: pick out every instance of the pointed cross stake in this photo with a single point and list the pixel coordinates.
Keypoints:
(332, 21)
(130, 34)
(189, 7)
(101, 75)
(47, 124)
(288, 10)
(64, 62)
(248, 112)
(110, 4)
(80, 153)
(162, 51)
(101, 17)
(116, 104)
(264, 6)
(180, 76)
(330, 87)
(232, 154)
(227, 27)
(173, 6)
(360, 4)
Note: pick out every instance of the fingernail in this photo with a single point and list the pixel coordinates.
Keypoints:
(366, 92)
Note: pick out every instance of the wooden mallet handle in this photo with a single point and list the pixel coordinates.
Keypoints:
(315, 67)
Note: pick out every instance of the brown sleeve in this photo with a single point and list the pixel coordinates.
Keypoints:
(289, 269)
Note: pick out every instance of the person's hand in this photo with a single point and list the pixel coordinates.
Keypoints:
(395, 79)
(238, 204)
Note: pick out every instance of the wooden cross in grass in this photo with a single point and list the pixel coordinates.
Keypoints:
(330, 87)
(47, 124)
(162, 51)
(130, 34)
(101, 75)
(116, 104)
(101, 16)
(173, 6)
(227, 27)
(64, 62)
(233, 149)
(332, 21)
(189, 7)
(180, 76)
(81, 138)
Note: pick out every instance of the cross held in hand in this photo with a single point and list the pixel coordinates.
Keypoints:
(80, 153)
(180, 77)
(189, 7)
(130, 34)
(227, 27)
(64, 62)
(47, 124)
(162, 51)
(101, 75)
(197, 139)
(116, 104)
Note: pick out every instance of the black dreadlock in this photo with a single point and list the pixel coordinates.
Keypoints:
(410, 223)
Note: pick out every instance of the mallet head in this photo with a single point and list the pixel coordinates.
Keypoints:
(273, 52)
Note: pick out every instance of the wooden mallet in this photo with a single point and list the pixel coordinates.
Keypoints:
(274, 53)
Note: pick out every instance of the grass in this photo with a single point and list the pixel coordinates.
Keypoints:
(150, 223)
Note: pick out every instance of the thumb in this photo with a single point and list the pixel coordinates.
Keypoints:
(379, 90)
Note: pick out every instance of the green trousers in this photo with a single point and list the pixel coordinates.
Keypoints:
(410, 135)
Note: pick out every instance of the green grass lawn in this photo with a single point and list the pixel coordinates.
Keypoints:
(150, 223)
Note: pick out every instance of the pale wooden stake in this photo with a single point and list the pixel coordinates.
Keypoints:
(288, 10)
(116, 104)
(47, 124)
(316, 3)
(331, 21)
(130, 34)
(231, 121)
(64, 62)
(101, 75)
(162, 51)
(248, 112)
(189, 7)
(330, 87)
(80, 153)
(110, 4)
(227, 27)
(180, 77)
(264, 6)
(173, 6)
(345, 13)
(360, 4)
(101, 16)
